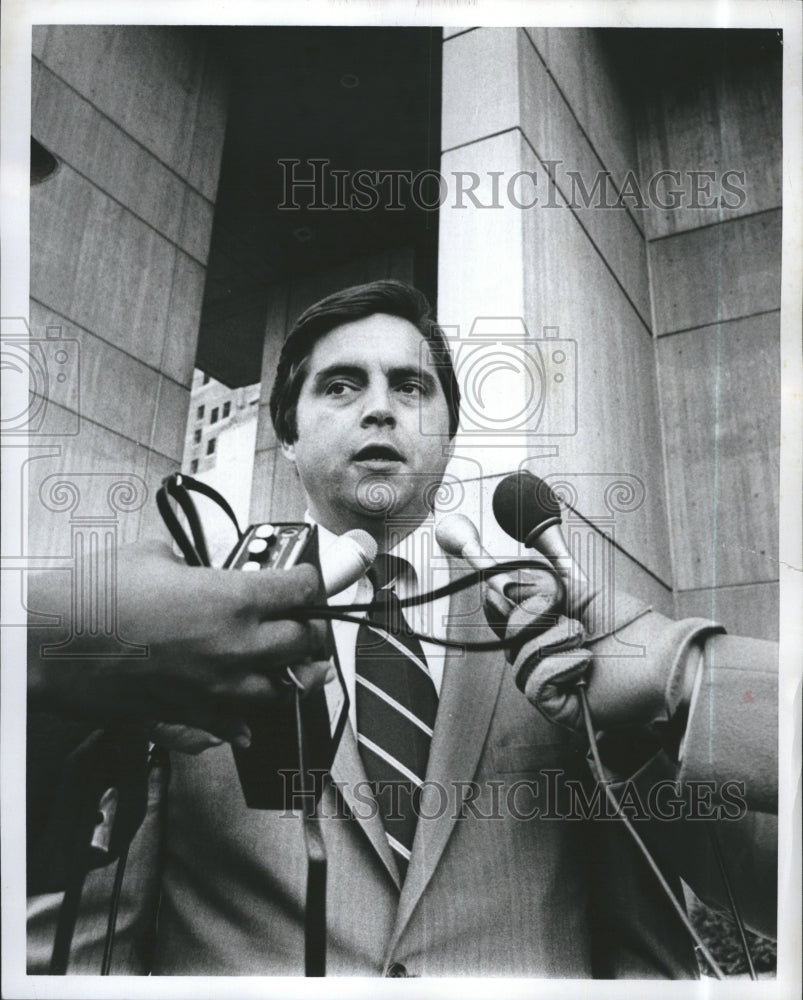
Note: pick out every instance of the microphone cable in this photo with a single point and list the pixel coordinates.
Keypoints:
(604, 782)
(353, 612)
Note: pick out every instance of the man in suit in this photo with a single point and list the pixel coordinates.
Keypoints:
(496, 879)
(500, 874)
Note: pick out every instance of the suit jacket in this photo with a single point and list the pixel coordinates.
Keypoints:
(491, 888)
(503, 878)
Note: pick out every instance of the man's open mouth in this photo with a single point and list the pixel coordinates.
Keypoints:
(378, 453)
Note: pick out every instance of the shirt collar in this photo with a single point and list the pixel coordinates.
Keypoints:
(419, 550)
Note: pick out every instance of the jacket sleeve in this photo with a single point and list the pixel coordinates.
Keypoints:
(726, 777)
(732, 731)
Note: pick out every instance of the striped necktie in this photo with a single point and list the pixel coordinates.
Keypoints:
(396, 707)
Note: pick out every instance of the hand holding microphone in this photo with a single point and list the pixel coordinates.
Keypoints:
(538, 587)
(640, 667)
(526, 607)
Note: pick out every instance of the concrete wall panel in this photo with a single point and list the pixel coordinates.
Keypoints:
(119, 242)
(717, 273)
(110, 388)
(552, 129)
(83, 244)
(568, 286)
(488, 57)
(751, 609)
(91, 462)
(581, 280)
(146, 79)
(583, 70)
(720, 389)
(70, 127)
(728, 122)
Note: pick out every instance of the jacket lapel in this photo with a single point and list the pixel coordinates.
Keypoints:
(469, 693)
(347, 773)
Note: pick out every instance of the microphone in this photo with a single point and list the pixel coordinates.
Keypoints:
(458, 537)
(346, 560)
(527, 509)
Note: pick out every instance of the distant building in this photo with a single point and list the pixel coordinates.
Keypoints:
(216, 412)
(219, 450)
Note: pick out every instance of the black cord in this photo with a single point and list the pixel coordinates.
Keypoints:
(177, 485)
(156, 757)
(603, 781)
(737, 916)
(350, 612)
(114, 906)
(67, 919)
(315, 849)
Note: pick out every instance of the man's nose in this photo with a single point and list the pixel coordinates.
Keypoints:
(378, 409)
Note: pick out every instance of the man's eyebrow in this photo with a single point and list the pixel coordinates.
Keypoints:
(412, 371)
(342, 370)
(356, 371)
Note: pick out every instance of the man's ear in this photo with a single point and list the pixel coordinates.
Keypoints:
(289, 451)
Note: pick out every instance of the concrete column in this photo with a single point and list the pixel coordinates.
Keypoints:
(545, 291)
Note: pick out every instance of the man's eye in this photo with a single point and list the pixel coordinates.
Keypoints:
(410, 388)
(337, 388)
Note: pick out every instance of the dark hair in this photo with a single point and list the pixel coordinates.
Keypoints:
(394, 298)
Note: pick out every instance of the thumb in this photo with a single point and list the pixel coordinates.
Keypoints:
(552, 687)
(496, 610)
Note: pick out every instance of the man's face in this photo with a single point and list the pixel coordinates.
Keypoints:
(370, 389)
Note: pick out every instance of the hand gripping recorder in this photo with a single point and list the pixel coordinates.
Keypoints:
(291, 742)
(288, 749)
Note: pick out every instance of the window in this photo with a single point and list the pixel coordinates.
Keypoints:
(210, 446)
(194, 465)
(197, 436)
(213, 417)
(226, 409)
(200, 413)
(207, 379)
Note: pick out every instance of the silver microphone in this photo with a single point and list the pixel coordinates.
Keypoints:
(346, 560)
(458, 536)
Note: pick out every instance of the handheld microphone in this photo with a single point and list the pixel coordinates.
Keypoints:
(527, 509)
(458, 537)
(346, 560)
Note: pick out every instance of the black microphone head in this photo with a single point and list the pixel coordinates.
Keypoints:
(524, 506)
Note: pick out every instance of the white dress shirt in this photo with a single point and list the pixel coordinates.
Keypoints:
(428, 569)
